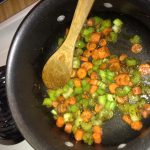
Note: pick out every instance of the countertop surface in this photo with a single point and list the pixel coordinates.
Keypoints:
(7, 31)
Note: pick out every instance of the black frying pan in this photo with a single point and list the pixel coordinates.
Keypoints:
(36, 40)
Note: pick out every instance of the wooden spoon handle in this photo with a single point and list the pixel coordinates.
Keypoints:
(82, 10)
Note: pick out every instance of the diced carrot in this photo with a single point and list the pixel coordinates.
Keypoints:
(77, 82)
(61, 98)
(94, 55)
(136, 48)
(127, 119)
(68, 128)
(79, 135)
(60, 122)
(144, 69)
(85, 96)
(136, 125)
(87, 80)
(97, 138)
(93, 82)
(87, 65)
(103, 52)
(83, 58)
(137, 90)
(103, 42)
(91, 46)
(54, 104)
(90, 22)
(112, 87)
(98, 108)
(86, 115)
(61, 108)
(122, 79)
(122, 100)
(93, 89)
(81, 73)
(94, 75)
(145, 114)
(97, 129)
(115, 66)
(87, 53)
(114, 60)
(72, 100)
(107, 31)
(95, 37)
(103, 66)
(123, 57)
(147, 107)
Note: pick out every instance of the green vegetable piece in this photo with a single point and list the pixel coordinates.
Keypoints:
(135, 39)
(87, 87)
(134, 114)
(110, 97)
(54, 112)
(76, 63)
(68, 93)
(60, 41)
(136, 77)
(73, 108)
(78, 52)
(126, 89)
(87, 38)
(100, 91)
(130, 62)
(106, 23)
(70, 83)
(116, 29)
(80, 44)
(59, 92)
(101, 85)
(97, 20)
(86, 126)
(118, 22)
(87, 31)
(78, 90)
(120, 92)
(112, 105)
(112, 37)
(97, 62)
(78, 121)
(52, 94)
(102, 100)
(47, 102)
(68, 117)
(87, 138)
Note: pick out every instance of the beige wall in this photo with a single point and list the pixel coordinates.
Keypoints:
(11, 7)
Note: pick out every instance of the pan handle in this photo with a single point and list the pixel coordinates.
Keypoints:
(9, 134)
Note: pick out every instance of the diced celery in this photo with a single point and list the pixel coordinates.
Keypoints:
(80, 44)
(68, 117)
(102, 99)
(118, 22)
(76, 63)
(68, 93)
(47, 102)
(135, 39)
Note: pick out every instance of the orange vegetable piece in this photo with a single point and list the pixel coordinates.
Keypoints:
(112, 87)
(147, 107)
(54, 104)
(68, 128)
(114, 60)
(122, 79)
(77, 82)
(90, 22)
(103, 66)
(145, 114)
(94, 75)
(87, 65)
(115, 66)
(107, 31)
(97, 138)
(103, 42)
(91, 46)
(123, 57)
(103, 52)
(136, 48)
(78, 135)
(137, 90)
(62, 107)
(97, 129)
(95, 37)
(122, 100)
(144, 69)
(60, 122)
(81, 73)
(127, 119)
(94, 55)
(83, 58)
(86, 115)
(136, 125)
(93, 89)
(87, 53)
(98, 108)
(72, 100)
(93, 81)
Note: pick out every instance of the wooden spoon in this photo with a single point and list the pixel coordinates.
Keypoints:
(58, 68)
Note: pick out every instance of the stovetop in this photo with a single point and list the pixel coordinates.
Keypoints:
(7, 31)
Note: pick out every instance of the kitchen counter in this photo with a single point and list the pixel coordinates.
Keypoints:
(7, 31)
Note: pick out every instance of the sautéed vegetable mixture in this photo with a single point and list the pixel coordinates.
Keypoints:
(100, 84)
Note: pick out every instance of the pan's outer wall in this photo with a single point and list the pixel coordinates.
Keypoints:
(25, 64)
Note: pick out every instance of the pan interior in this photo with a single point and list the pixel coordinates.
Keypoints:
(115, 131)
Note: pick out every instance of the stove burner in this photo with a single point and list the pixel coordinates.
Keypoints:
(9, 134)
